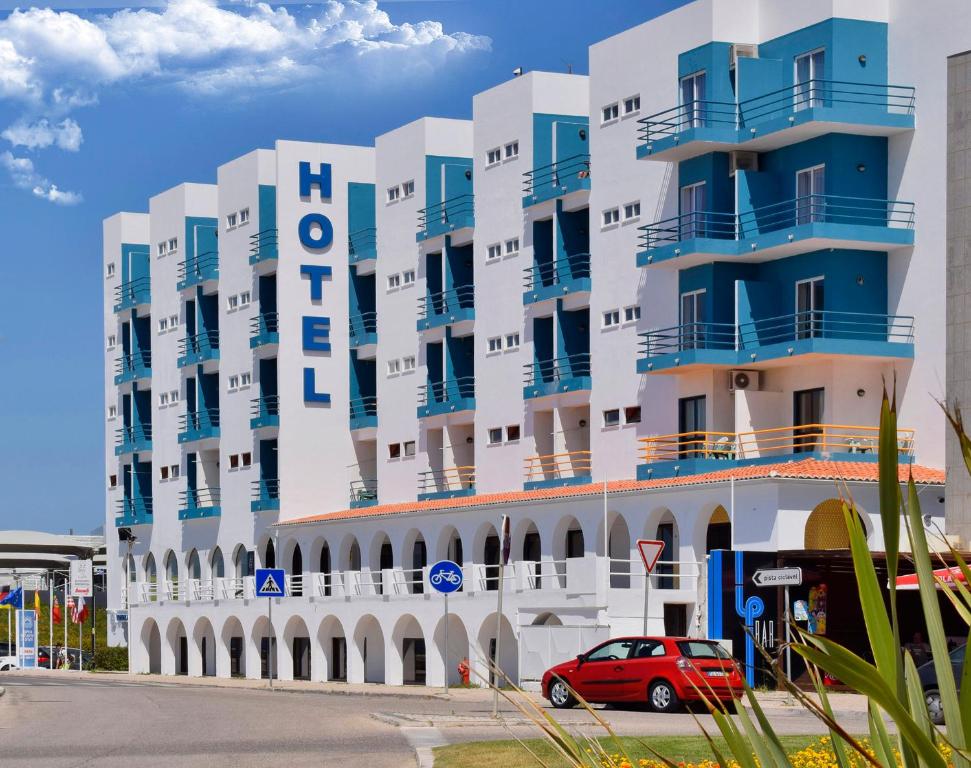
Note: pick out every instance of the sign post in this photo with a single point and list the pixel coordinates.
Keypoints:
(27, 638)
(781, 577)
(650, 550)
(82, 579)
(270, 582)
(445, 576)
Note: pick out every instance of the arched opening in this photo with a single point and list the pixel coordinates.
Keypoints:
(325, 569)
(269, 555)
(381, 559)
(719, 533)
(568, 544)
(132, 577)
(296, 576)
(241, 562)
(152, 647)
(450, 547)
(618, 547)
(151, 577)
(665, 574)
(296, 637)
(531, 555)
(826, 527)
(205, 645)
(417, 554)
(333, 642)
(178, 646)
(217, 565)
(409, 644)
(369, 645)
(547, 619)
(488, 550)
(504, 654)
(193, 566)
(457, 649)
(264, 640)
(234, 645)
(171, 576)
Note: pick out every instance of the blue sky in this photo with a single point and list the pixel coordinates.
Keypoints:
(100, 109)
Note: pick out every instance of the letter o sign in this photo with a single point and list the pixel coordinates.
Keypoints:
(320, 239)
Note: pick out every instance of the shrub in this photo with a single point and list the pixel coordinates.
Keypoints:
(107, 659)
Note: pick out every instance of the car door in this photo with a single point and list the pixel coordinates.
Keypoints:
(601, 676)
(645, 664)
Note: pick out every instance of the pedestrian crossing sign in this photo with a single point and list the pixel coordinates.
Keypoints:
(270, 582)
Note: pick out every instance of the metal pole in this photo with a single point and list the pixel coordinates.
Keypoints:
(785, 613)
(50, 622)
(647, 590)
(445, 648)
(269, 642)
(64, 619)
(495, 692)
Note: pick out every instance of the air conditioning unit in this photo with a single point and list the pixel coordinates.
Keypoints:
(742, 161)
(743, 380)
(742, 51)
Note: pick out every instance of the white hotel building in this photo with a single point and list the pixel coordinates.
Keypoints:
(661, 298)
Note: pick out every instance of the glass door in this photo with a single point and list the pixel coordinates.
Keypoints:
(692, 320)
(807, 416)
(809, 308)
(693, 100)
(810, 191)
(691, 426)
(809, 80)
(692, 211)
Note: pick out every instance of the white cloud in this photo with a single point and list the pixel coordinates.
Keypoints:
(42, 134)
(24, 176)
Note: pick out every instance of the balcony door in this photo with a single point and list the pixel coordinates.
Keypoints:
(691, 426)
(808, 78)
(693, 211)
(809, 308)
(807, 415)
(693, 100)
(810, 189)
(692, 320)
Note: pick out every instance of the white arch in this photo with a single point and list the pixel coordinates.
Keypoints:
(408, 643)
(232, 643)
(151, 648)
(263, 651)
(295, 654)
(444, 661)
(508, 657)
(175, 660)
(202, 650)
(366, 658)
(332, 642)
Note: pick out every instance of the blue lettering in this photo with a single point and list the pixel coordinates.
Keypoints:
(310, 180)
(310, 393)
(316, 334)
(317, 276)
(324, 237)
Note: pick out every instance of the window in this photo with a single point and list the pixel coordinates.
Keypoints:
(495, 435)
(173, 244)
(111, 342)
(408, 276)
(246, 459)
(173, 321)
(495, 251)
(174, 471)
(112, 411)
(611, 318)
(110, 269)
(495, 344)
(408, 188)
(174, 396)
(612, 417)
(394, 193)
(244, 298)
(493, 156)
(409, 448)
(234, 461)
(231, 220)
(610, 112)
(112, 481)
(394, 281)
(512, 433)
(512, 150)
(394, 367)
(632, 313)
(163, 324)
(233, 382)
(632, 414)
(693, 89)
(632, 104)
(632, 210)
(409, 363)
(244, 216)
(232, 302)
(163, 248)
(245, 379)
(512, 341)
(163, 473)
(512, 246)
(809, 70)
(611, 216)
(394, 450)
(615, 650)
(163, 399)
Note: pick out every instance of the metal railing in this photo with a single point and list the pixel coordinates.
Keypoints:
(264, 409)
(557, 174)
(448, 391)
(557, 466)
(826, 324)
(667, 574)
(362, 407)
(264, 246)
(134, 507)
(264, 325)
(134, 362)
(266, 489)
(562, 271)
(132, 293)
(199, 498)
(446, 302)
(196, 422)
(132, 434)
(361, 325)
(205, 266)
(362, 491)
(680, 338)
(556, 369)
(446, 214)
(201, 345)
(362, 244)
(446, 480)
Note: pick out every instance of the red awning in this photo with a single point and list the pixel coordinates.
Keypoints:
(946, 574)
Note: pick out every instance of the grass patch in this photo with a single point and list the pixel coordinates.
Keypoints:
(509, 754)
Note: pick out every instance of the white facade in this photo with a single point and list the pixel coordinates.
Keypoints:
(489, 366)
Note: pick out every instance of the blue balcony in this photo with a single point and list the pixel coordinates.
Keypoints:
(557, 376)
(263, 247)
(451, 396)
(450, 483)
(446, 308)
(133, 294)
(133, 439)
(199, 425)
(571, 174)
(364, 493)
(795, 113)
(556, 279)
(134, 366)
(264, 330)
(363, 329)
(362, 246)
(202, 269)
(804, 224)
(198, 348)
(446, 217)
(133, 511)
(364, 412)
(557, 470)
(684, 347)
(264, 412)
(266, 495)
(199, 503)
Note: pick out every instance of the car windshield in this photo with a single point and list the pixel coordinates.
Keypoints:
(697, 649)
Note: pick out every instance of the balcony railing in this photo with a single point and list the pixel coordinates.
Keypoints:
(264, 329)
(690, 336)
(136, 438)
(196, 271)
(363, 492)
(264, 411)
(453, 305)
(363, 329)
(133, 293)
(266, 494)
(263, 246)
(560, 374)
(362, 245)
(566, 468)
(546, 182)
(198, 348)
(133, 366)
(135, 510)
(199, 425)
(447, 216)
(199, 502)
(559, 277)
(452, 481)
(828, 325)
(363, 412)
(447, 396)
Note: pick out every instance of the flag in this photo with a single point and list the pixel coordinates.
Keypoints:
(506, 541)
(79, 611)
(37, 602)
(56, 611)
(71, 609)
(14, 598)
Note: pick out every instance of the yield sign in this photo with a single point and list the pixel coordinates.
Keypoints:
(650, 552)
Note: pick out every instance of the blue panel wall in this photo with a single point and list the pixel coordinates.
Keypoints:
(360, 206)
(208, 391)
(362, 289)
(142, 327)
(543, 343)
(142, 477)
(458, 265)
(712, 58)
(269, 463)
(573, 337)
(267, 197)
(267, 291)
(713, 170)
(134, 262)
(268, 377)
(143, 407)
(543, 242)
(568, 142)
(441, 186)
(574, 231)
(208, 311)
(434, 362)
(201, 237)
(363, 377)
(433, 273)
(460, 360)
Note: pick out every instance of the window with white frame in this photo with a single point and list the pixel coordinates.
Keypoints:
(611, 216)
(612, 417)
(512, 150)
(174, 396)
(173, 321)
(494, 156)
(512, 433)
(110, 269)
(244, 298)
(394, 281)
(632, 210)
(245, 379)
(234, 461)
(408, 277)
(408, 188)
(394, 193)
(394, 367)
(244, 216)
(632, 414)
(174, 471)
(610, 112)
(111, 342)
(632, 313)
(512, 246)
(173, 244)
(512, 340)
(234, 382)
(163, 324)
(408, 363)
(163, 399)
(632, 104)
(163, 248)
(394, 450)
(495, 435)
(231, 220)
(611, 318)
(246, 458)
(495, 344)
(163, 473)
(112, 412)
(494, 252)
(232, 302)
(409, 447)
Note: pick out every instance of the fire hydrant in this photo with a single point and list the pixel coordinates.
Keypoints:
(464, 670)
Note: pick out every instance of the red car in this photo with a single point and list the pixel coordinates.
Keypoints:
(662, 671)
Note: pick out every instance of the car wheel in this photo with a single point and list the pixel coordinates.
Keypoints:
(560, 696)
(662, 697)
(934, 706)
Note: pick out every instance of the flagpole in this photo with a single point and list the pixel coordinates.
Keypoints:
(66, 654)
(50, 622)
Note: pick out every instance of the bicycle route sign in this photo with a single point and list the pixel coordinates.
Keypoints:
(445, 576)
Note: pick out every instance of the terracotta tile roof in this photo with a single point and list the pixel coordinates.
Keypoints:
(805, 469)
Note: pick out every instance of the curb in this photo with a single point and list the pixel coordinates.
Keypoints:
(2, 690)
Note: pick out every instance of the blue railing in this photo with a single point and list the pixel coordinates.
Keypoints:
(557, 369)
(198, 425)
(691, 114)
(131, 511)
(133, 438)
(363, 407)
(362, 244)
(198, 347)
(448, 391)
(199, 502)
(451, 214)
(690, 336)
(826, 324)
(361, 327)
(195, 271)
(562, 271)
(363, 492)
(265, 494)
(263, 246)
(566, 175)
(132, 366)
(264, 329)
(446, 302)
(133, 293)
(264, 411)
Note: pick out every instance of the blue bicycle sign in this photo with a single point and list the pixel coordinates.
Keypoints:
(445, 576)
